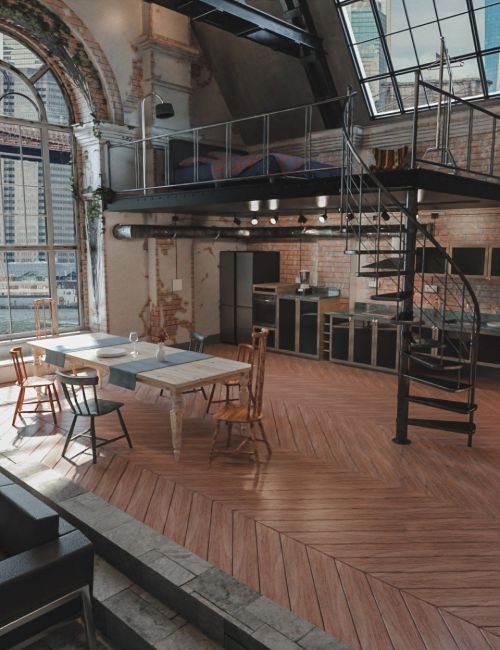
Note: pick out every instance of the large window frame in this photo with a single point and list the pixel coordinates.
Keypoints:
(394, 75)
(50, 248)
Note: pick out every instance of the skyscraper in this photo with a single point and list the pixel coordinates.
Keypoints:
(492, 39)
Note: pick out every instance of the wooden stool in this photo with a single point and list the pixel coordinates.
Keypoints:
(246, 415)
(37, 383)
(245, 355)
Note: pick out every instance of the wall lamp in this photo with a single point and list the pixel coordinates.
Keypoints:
(323, 217)
(274, 219)
(254, 221)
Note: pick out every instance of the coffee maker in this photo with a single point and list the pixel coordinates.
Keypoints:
(304, 286)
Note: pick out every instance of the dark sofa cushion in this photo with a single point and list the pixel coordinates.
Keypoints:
(25, 521)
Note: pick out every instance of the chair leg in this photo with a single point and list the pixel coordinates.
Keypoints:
(264, 437)
(52, 406)
(211, 398)
(88, 619)
(214, 438)
(68, 437)
(57, 397)
(124, 428)
(19, 405)
(161, 392)
(93, 440)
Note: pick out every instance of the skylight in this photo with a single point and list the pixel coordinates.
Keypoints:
(391, 39)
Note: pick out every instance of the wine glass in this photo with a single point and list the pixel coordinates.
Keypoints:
(133, 338)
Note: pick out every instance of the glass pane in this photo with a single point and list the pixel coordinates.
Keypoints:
(18, 55)
(446, 8)
(466, 79)
(382, 96)
(488, 25)
(392, 16)
(60, 182)
(67, 289)
(420, 12)
(401, 50)
(428, 43)
(53, 98)
(371, 58)
(479, 4)
(406, 85)
(458, 34)
(4, 298)
(21, 104)
(492, 69)
(28, 279)
(362, 21)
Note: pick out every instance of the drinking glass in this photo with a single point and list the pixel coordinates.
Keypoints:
(133, 338)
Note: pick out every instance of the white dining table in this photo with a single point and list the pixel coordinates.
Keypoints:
(175, 379)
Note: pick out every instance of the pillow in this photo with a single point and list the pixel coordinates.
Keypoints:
(386, 159)
(190, 162)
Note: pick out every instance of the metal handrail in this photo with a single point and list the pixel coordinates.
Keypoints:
(365, 170)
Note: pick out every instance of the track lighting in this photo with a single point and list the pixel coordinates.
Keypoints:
(302, 220)
(273, 204)
(254, 206)
(274, 219)
(323, 217)
(254, 221)
(349, 216)
(322, 201)
(237, 221)
(385, 215)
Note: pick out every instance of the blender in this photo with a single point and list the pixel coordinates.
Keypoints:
(304, 286)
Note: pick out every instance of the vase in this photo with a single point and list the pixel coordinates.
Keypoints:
(160, 352)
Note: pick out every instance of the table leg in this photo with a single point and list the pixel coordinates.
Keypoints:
(176, 413)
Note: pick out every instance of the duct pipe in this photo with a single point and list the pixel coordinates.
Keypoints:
(139, 231)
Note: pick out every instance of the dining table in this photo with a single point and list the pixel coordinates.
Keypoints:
(176, 377)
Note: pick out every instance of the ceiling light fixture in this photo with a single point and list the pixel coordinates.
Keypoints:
(385, 215)
(323, 217)
(254, 221)
(274, 219)
(254, 206)
(349, 216)
(302, 219)
(273, 204)
(237, 221)
(322, 201)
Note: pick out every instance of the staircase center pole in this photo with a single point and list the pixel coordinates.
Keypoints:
(401, 437)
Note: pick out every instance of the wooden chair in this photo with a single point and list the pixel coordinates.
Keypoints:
(246, 415)
(46, 323)
(196, 344)
(37, 383)
(245, 355)
(91, 408)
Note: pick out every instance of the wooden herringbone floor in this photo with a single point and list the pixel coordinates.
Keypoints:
(383, 546)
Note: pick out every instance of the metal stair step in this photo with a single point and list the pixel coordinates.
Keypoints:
(425, 344)
(431, 361)
(387, 263)
(397, 296)
(374, 251)
(380, 274)
(449, 385)
(445, 425)
(443, 404)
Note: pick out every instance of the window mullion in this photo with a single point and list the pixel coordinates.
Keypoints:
(49, 217)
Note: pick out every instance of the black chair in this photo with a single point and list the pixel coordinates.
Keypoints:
(196, 344)
(88, 408)
(46, 569)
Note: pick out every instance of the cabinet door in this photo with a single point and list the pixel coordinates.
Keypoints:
(227, 324)
(226, 277)
(308, 322)
(244, 278)
(362, 342)
(495, 262)
(243, 324)
(340, 341)
(286, 324)
(387, 346)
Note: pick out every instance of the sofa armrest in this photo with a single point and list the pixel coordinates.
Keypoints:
(40, 575)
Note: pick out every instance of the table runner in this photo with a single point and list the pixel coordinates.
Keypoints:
(55, 355)
(125, 374)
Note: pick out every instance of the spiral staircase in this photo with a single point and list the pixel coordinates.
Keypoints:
(432, 300)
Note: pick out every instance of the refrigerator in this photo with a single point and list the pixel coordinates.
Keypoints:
(239, 271)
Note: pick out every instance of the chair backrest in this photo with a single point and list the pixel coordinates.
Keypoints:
(196, 341)
(46, 323)
(19, 365)
(245, 353)
(70, 384)
(259, 340)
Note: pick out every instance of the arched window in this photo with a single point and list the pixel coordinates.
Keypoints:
(38, 238)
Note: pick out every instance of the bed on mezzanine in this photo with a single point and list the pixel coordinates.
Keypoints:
(196, 176)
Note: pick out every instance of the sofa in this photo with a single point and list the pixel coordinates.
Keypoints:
(46, 568)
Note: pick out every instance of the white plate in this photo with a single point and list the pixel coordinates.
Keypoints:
(111, 352)
(493, 323)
